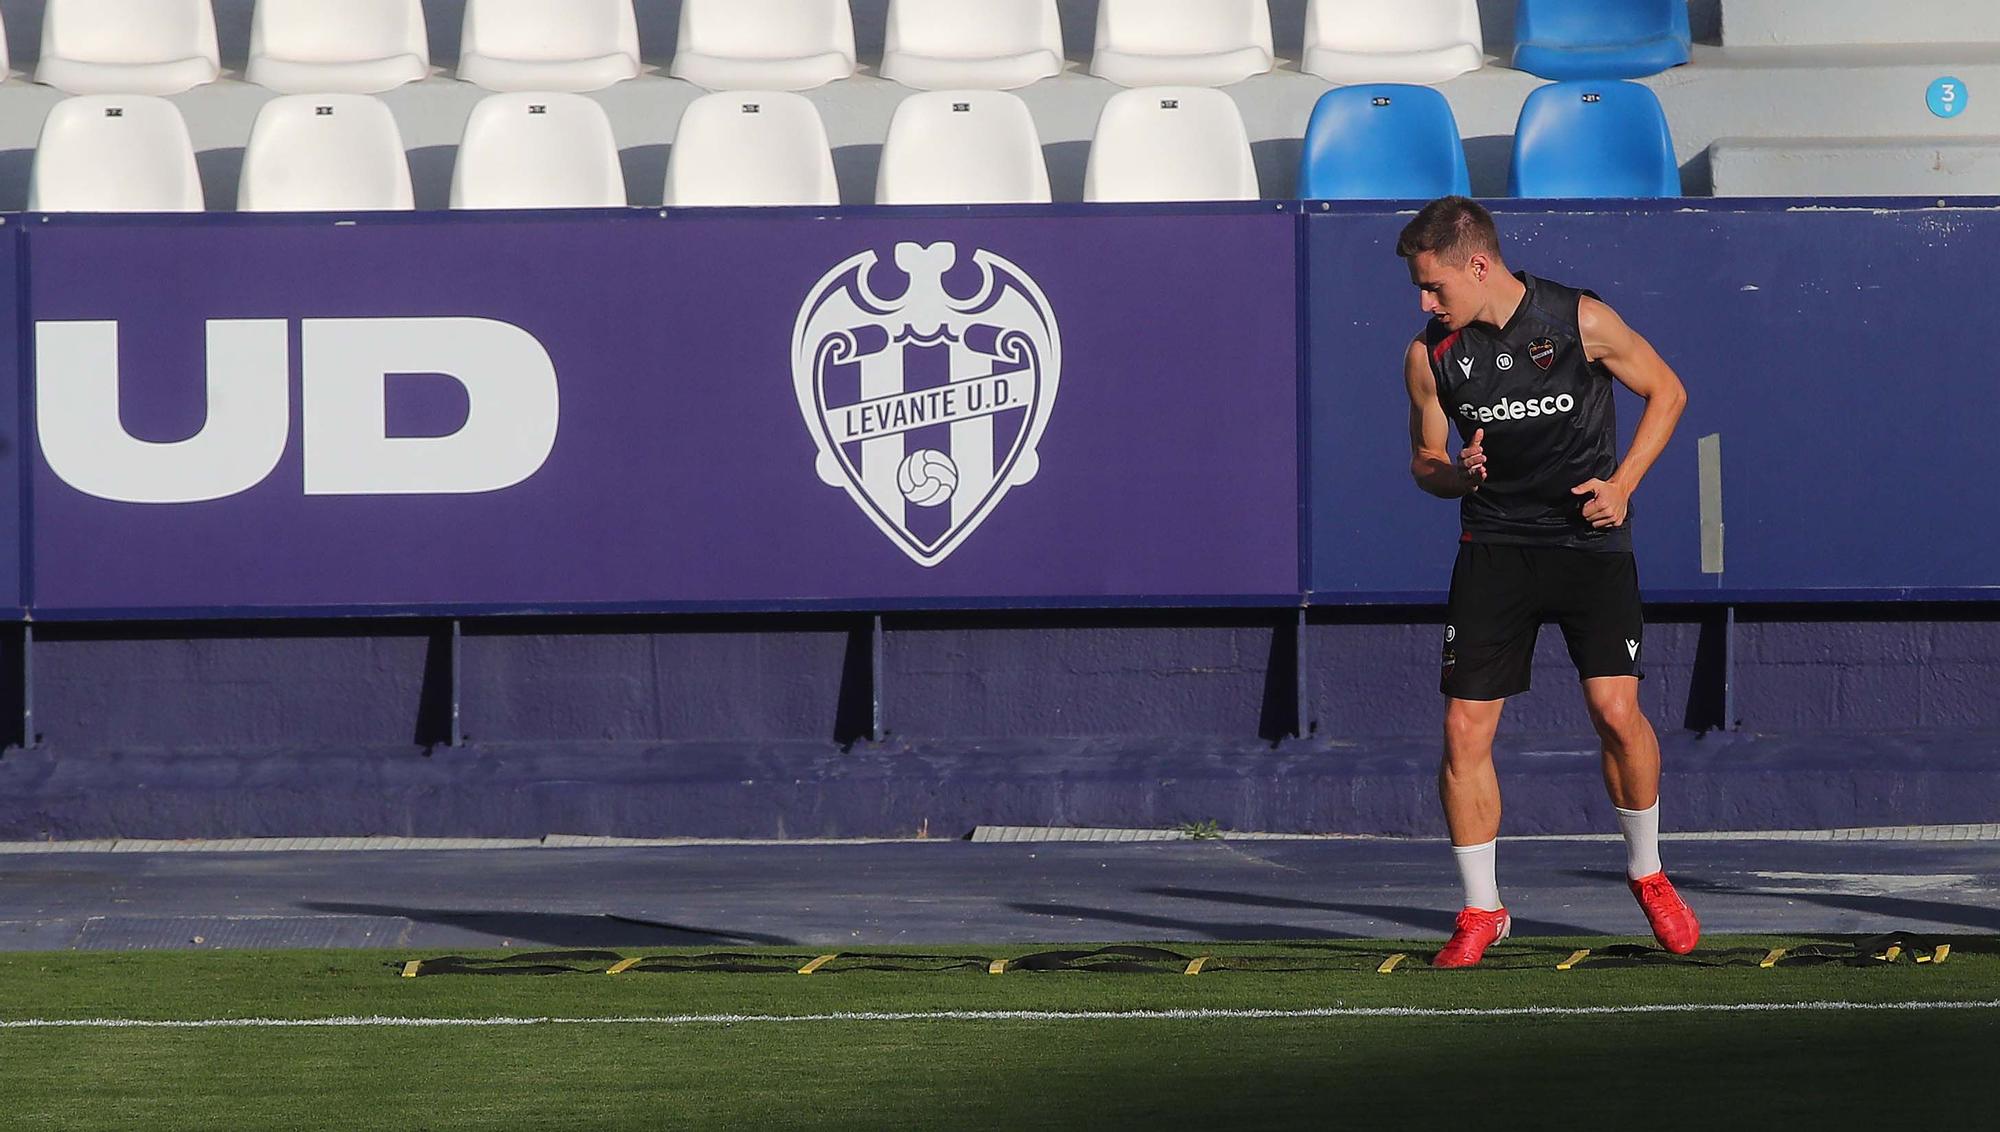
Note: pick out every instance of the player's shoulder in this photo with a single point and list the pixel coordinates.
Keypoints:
(1595, 319)
(1417, 357)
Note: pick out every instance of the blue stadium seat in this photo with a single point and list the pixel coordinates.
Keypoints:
(1382, 141)
(1600, 39)
(1593, 139)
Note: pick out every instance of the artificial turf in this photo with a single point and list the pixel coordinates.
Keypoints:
(1738, 1070)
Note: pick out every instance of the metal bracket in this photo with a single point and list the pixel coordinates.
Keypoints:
(1302, 694)
(877, 729)
(29, 739)
(456, 736)
(1730, 722)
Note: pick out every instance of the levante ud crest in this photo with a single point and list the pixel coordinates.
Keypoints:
(926, 383)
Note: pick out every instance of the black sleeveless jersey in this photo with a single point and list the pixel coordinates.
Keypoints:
(1549, 415)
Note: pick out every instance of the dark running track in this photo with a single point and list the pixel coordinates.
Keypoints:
(835, 895)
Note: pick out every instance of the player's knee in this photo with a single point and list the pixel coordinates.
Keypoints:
(1468, 733)
(1616, 715)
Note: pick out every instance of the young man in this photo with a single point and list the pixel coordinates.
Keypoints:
(1524, 368)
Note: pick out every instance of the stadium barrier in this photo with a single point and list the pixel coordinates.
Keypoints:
(238, 416)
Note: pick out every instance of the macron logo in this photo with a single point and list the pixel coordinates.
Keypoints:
(1465, 364)
(1632, 648)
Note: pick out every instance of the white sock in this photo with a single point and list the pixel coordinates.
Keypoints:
(1642, 840)
(1475, 871)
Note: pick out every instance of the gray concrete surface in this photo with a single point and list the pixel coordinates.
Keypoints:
(1777, 167)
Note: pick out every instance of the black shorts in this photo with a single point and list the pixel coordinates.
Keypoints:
(1501, 595)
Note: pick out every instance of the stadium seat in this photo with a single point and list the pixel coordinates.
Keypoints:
(1383, 141)
(751, 148)
(1392, 41)
(1600, 39)
(548, 45)
(114, 153)
(962, 147)
(1182, 42)
(530, 150)
(353, 46)
(1170, 143)
(128, 46)
(764, 44)
(324, 153)
(1593, 139)
(982, 44)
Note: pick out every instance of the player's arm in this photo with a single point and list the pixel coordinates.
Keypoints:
(1638, 367)
(1430, 435)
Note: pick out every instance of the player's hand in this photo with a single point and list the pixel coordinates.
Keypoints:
(1472, 461)
(1608, 503)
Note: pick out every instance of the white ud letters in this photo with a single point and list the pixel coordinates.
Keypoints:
(509, 431)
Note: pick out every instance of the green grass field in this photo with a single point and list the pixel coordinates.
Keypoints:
(1788, 1068)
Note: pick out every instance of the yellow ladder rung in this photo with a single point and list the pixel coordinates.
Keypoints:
(997, 967)
(1575, 958)
(818, 963)
(1194, 967)
(1943, 950)
(622, 966)
(1777, 953)
(410, 968)
(1389, 964)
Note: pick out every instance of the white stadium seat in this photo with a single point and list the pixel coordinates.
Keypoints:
(1170, 143)
(324, 153)
(114, 153)
(1182, 42)
(751, 148)
(352, 46)
(962, 147)
(764, 44)
(981, 44)
(538, 150)
(128, 46)
(548, 45)
(1392, 41)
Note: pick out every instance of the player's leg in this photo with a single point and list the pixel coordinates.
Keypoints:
(1467, 783)
(1489, 643)
(1631, 747)
(1604, 626)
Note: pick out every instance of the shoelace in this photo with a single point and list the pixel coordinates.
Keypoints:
(1470, 918)
(1657, 888)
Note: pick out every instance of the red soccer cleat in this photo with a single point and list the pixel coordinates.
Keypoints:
(1477, 930)
(1673, 921)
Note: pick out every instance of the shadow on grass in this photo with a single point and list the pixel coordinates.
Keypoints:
(1426, 920)
(558, 929)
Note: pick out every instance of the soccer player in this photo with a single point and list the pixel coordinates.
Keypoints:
(1524, 367)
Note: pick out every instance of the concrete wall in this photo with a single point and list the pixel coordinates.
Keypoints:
(969, 678)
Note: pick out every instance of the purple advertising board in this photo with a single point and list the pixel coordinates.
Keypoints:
(236, 415)
(1798, 331)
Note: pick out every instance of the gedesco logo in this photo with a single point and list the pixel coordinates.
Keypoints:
(1519, 410)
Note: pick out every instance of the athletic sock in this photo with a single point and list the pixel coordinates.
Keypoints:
(1642, 840)
(1475, 871)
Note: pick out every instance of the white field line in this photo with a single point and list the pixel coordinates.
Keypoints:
(356, 1022)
